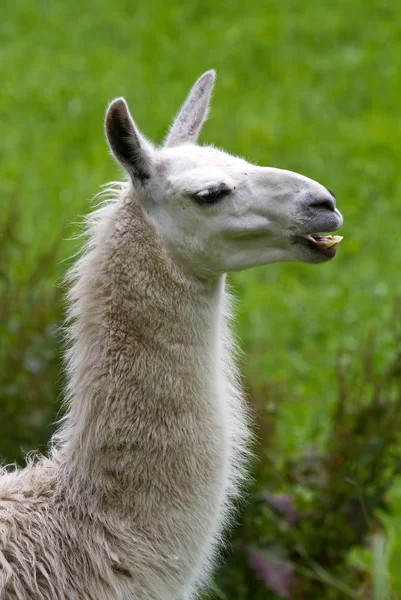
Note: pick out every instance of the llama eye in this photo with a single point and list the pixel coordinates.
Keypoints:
(211, 195)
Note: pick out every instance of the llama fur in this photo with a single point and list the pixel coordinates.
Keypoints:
(133, 497)
(123, 476)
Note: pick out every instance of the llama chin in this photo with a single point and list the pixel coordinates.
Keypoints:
(135, 494)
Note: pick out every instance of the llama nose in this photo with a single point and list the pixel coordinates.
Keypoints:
(323, 201)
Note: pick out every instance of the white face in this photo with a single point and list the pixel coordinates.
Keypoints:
(218, 213)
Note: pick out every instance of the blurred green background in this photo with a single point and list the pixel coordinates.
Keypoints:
(312, 87)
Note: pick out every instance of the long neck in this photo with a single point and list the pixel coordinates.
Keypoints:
(144, 410)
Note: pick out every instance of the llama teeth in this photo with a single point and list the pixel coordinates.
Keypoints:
(336, 239)
(329, 241)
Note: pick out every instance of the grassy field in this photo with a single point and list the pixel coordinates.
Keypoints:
(308, 86)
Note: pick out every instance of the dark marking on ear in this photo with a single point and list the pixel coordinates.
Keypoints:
(331, 193)
(119, 134)
(125, 141)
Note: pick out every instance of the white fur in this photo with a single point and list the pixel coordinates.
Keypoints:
(132, 500)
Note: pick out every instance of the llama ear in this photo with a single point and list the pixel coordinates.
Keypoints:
(190, 118)
(127, 144)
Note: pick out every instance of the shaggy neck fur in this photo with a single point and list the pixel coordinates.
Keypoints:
(155, 430)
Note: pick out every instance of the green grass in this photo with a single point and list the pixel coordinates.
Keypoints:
(308, 86)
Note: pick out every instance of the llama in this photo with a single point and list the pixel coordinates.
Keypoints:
(133, 497)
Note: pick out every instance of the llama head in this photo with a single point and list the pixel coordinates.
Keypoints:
(216, 212)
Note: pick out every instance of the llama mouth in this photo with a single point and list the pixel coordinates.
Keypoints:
(327, 241)
(325, 244)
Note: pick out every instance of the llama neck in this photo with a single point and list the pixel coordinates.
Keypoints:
(145, 396)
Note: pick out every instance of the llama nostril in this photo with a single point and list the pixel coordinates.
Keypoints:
(323, 203)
